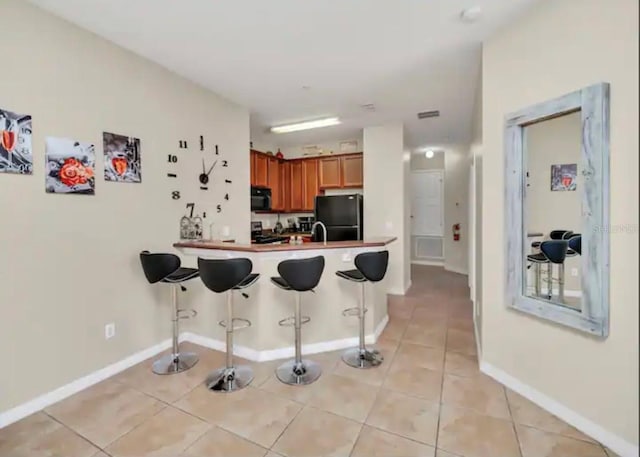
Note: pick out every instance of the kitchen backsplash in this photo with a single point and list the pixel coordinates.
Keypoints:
(269, 220)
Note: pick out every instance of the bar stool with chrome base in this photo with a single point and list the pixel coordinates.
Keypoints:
(225, 276)
(556, 252)
(166, 268)
(299, 275)
(370, 266)
(575, 245)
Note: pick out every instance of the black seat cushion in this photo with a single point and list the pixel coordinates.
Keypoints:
(373, 265)
(158, 266)
(221, 275)
(575, 244)
(537, 258)
(182, 274)
(281, 283)
(536, 244)
(555, 250)
(246, 282)
(352, 275)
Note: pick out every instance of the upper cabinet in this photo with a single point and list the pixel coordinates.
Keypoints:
(341, 172)
(259, 169)
(330, 173)
(295, 183)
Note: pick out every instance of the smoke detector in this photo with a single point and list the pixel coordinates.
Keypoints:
(368, 107)
(428, 114)
(471, 15)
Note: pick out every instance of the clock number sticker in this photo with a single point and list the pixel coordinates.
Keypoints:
(226, 197)
(173, 158)
(219, 208)
(225, 163)
(175, 195)
(217, 152)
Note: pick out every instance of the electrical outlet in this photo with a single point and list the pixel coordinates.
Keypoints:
(574, 272)
(109, 331)
(346, 257)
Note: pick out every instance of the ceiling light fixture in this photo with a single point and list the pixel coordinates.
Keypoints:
(328, 122)
(429, 154)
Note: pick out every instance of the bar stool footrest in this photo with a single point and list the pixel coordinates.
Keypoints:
(291, 321)
(353, 312)
(243, 323)
(187, 313)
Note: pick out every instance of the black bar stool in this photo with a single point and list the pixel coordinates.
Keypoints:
(299, 275)
(225, 276)
(370, 266)
(554, 235)
(556, 252)
(166, 268)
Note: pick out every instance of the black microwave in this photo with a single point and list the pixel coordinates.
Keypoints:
(260, 199)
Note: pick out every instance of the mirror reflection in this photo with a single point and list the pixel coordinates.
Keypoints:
(553, 210)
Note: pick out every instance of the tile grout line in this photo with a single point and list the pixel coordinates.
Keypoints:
(446, 342)
(513, 422)
(74, 432)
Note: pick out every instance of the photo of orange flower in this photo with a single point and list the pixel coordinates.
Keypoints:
(69, 166)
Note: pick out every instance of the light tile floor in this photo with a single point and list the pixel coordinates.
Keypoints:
(428, 399)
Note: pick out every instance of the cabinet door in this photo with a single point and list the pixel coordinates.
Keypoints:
(296, 189)
(285, 185)
(310, 183)
(329, 173)
(252, 168)
(352, 171)
(275, 184)
(261, 170)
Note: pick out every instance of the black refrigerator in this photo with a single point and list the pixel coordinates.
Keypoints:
(342, 215)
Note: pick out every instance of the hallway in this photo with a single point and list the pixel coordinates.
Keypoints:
(427, 395)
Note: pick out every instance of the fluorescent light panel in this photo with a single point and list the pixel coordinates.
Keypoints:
(306, 125)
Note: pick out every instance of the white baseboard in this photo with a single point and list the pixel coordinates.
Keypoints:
(285, 352)
(399, 291)
(19, 412)
(429, 263)
(477, 335)
(617, 444)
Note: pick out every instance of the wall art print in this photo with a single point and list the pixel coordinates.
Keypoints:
(121, 158)
(70, 166)
(563, 177)
(16, 155)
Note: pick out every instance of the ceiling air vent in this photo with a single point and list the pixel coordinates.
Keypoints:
(427, 114)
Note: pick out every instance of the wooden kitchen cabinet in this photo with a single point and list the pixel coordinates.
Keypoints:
(296, 189)
(351, 167)
(329, 173)
(310, 184)
(260, 169)
(275, 184)
(285, 185)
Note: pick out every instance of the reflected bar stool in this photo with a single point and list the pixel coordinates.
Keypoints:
(166, 268)
(556, 252)
(370, 266)
(225, 276)
(575, 244)
(554, 235)
(298, 275)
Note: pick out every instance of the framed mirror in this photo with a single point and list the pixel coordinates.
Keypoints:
(557, 210)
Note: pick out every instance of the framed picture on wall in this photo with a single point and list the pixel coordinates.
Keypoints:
(16, 155)
(69, 166)
(121, 158)
(563, 177)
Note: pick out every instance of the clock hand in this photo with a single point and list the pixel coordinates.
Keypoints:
(211, 169)
(203, 169)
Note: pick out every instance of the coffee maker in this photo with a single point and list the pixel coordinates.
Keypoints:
(305, 223)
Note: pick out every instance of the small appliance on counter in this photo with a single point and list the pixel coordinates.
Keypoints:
(342, 215)
(258, 237)
(305, 223)
(260, 199)
(278, 228)
(293, 224)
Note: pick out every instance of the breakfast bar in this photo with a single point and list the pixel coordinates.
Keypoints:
(265, 305)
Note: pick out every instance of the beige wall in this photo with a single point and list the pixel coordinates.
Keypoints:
(69, 263)
(555, 141)
(420, 162)
(475, 154)
(384, 207)
(556, 48)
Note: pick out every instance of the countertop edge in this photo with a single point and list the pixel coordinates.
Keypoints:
(225, 246)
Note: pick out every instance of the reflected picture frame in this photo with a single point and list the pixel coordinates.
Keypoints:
(593, 104)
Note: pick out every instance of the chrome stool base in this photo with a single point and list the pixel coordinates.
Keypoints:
(298, 374)
(230, 379)
(171, 364)
(362, 358)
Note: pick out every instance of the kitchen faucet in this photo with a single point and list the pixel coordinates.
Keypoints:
(324, 228)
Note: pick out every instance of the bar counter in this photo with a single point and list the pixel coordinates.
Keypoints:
(266, 304)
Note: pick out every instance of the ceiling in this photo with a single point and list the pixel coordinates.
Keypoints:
(293, 60)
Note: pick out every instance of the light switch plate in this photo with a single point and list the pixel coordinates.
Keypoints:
(346, 257)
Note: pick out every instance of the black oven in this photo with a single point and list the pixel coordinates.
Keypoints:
(260, 199)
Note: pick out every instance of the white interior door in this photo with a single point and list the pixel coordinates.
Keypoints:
(427, 215)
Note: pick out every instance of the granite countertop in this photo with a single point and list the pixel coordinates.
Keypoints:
(226, 246)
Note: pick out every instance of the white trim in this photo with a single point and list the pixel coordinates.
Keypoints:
(41, 402)
(394, 291)
(285, 352)
(431, 263)
(614, 442)
(462, 271)
(476, 334)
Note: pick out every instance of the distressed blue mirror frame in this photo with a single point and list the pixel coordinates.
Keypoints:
(593, 104)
